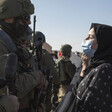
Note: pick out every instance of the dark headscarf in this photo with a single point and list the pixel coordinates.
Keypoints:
(103, 53)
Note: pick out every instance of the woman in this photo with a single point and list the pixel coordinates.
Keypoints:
(94, 92)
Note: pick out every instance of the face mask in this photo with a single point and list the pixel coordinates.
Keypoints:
(86, 46)
(21, 30)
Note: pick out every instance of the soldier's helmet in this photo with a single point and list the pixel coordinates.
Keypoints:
(15, 8)
(39, 36)
(65, 49)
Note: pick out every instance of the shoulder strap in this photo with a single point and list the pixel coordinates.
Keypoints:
(7, 41)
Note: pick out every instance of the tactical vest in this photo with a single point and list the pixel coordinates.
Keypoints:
(10, 45)
(61, 69)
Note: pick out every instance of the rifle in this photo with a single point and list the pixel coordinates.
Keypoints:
(37, 47)
(37, 91)
(36, 94)
(10, 70)
(45, 70)
(33, 39)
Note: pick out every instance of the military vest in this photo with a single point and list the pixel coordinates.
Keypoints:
(61, 69)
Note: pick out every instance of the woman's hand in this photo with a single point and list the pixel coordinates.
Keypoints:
(85, 62)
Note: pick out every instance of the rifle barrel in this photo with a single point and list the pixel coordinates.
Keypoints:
(34, 25)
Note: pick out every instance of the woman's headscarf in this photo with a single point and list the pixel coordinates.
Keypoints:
(103, 53)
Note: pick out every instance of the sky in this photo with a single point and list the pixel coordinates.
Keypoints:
(68, 21)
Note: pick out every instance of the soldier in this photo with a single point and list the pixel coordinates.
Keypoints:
(52, 76)
(14, 20)
(65, 69)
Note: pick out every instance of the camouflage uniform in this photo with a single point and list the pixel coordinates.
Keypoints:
(65, 69)
(27, 75)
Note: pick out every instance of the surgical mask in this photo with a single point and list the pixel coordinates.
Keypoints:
(86, 46)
